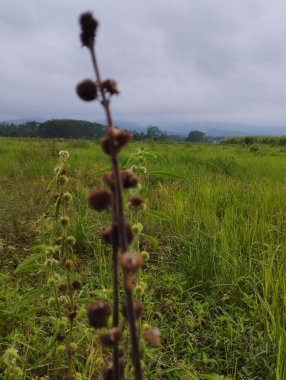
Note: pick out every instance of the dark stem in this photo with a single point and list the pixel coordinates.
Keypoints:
(121, 227)
(115, 317)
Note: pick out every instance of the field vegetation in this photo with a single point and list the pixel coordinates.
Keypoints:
(251, 140)
(214, 227)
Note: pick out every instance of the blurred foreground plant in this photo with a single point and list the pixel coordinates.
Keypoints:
(120, 234)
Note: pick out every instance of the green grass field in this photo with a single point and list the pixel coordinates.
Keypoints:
(216, 284)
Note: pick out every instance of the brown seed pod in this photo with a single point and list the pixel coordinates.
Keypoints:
(111, 337)
(98, 313)
(59, 240)
(111, 235)
(106, 235)
(110, 86)
(115, 139)
(60, 336)
(64, 220)
(87, 90)
(72, 314)
(108, 179)
(137, 306)
(76, 285)
(99, 200)
(108, 368)
(88, 29)
(128, 179)
(136, 201)
(152, 336)
(63, 286)
(130, 262)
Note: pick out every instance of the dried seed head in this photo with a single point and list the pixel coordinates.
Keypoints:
(64, 154)
(59, 240)
(60, 336)
(111, 235)
(72, 314)
(128, 179)
(76, 285)
(63, 286)
(152, 336)
(115, 139)
(108, 369)
(67, 197)
(137, 306)
(110, 337)
(69, 264)
(71, 240)
(62, 180)
(87, 90)
(88, 29)
(108, 179)
(56, 196)
(110, 86)
(107, 236)
(99, 200)
(98, 313)
(131, 262)
(136, 201)
(64, 220)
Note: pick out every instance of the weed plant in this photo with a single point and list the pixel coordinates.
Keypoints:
(120, 234)
(215, 276)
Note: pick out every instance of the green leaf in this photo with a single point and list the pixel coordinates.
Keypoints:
(159, 214)
(29, 263)
(151, 239)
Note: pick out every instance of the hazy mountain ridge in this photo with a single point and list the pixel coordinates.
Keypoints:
(183, 128)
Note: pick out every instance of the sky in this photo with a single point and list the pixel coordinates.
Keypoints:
(173, 60)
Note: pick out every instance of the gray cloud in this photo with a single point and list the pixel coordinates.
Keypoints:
(185, 60)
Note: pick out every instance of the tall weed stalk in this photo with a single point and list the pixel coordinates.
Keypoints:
(119, 234)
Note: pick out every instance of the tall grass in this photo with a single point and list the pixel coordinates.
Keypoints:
(217, 285)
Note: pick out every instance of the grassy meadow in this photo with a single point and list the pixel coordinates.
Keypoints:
(215, 228)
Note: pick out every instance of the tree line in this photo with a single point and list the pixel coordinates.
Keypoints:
(82, 129)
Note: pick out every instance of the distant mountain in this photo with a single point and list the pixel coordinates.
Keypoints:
(24, 120)
(221, 128)
(213, 129)
(224, 133)
(130, 125)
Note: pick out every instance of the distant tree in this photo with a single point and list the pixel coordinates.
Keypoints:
(196, 136)
(71, 129)
(155, 133)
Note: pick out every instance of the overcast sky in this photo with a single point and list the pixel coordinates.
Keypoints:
(185, 60)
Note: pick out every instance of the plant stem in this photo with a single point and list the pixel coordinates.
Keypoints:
(121, 226)
(115, 295)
